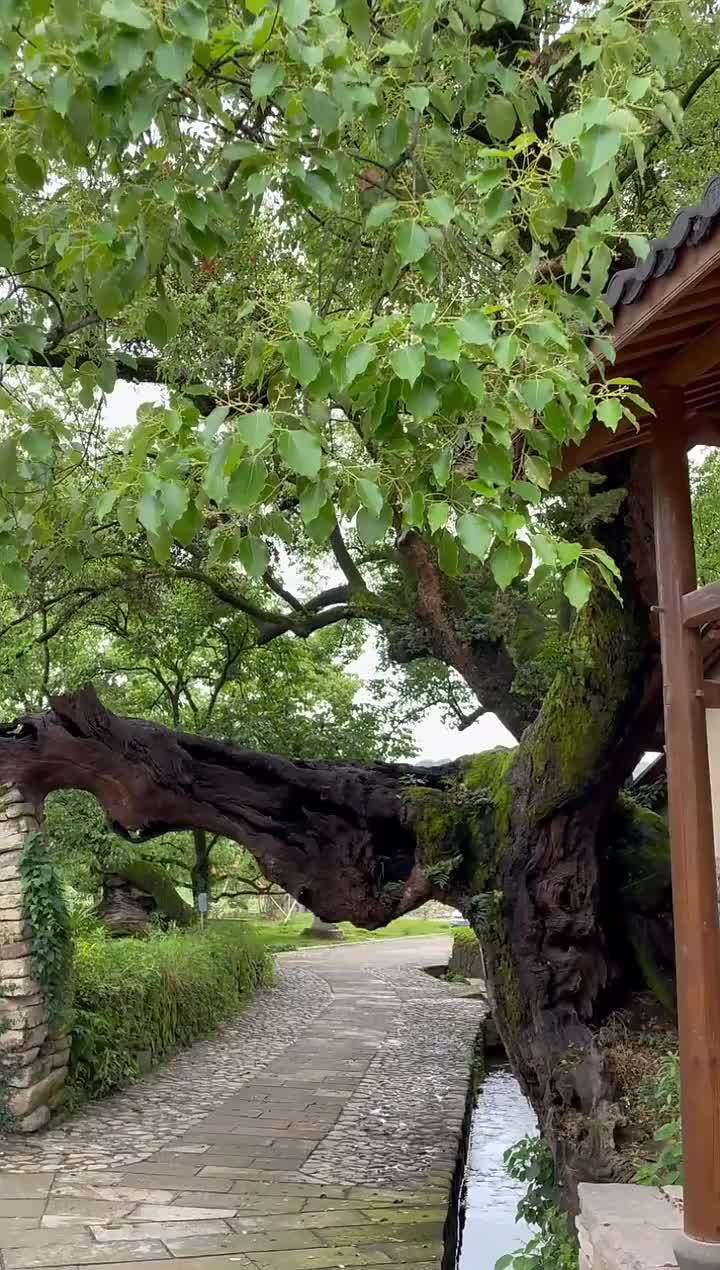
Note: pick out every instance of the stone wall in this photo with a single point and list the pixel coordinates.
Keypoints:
(33, 1055)
(628, 1227)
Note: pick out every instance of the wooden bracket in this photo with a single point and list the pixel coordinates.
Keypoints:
(701, 606)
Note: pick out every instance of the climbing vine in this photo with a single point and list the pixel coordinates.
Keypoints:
(50, 928)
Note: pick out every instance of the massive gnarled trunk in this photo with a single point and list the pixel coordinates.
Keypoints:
(527, 842)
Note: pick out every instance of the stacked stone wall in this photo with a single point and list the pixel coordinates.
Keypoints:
(33, 1052)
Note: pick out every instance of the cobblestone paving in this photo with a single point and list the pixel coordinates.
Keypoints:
(320, 1130)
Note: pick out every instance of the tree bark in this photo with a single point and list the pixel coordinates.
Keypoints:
(200, 872)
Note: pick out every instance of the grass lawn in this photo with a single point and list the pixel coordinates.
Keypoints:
(282, 936)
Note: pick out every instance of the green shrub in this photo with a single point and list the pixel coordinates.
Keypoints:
(151, 997)
(553, 1247)
(664, 1096)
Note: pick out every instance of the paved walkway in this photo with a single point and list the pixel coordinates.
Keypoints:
(319, 1130)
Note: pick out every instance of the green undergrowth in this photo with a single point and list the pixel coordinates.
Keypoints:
(553, 1246)
(296, 932)
(663, 1099)
(136, 1001)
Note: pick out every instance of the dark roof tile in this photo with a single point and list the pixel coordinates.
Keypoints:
(690, 227)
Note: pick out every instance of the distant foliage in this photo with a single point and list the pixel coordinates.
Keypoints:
(152, 997)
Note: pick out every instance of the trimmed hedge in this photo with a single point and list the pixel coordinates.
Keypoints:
(137, 1001)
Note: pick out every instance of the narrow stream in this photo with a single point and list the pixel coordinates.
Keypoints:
(489, 1198)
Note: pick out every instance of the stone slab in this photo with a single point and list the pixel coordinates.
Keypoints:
(159, 1230)
(326, 1259)
(21, 1207)
(114, 1194)
(88, 1210)
(25, 1185)
(76, 1254)
(254, 1241)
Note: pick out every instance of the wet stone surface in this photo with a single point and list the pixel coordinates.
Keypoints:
(319, 1129)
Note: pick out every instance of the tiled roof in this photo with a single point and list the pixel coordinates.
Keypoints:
(690, 227)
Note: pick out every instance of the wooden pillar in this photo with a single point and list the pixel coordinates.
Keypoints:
(694, 880)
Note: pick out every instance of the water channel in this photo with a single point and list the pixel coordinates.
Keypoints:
(489, 1196)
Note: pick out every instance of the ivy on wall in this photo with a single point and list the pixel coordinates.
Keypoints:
(50, 928)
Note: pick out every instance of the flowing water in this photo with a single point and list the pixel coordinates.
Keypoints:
(489, 1198)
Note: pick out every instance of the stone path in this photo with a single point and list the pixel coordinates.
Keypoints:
(319, 1130)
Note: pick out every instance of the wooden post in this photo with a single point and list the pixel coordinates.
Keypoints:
(694, 880)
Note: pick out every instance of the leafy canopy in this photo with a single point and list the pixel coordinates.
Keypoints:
(363, 246)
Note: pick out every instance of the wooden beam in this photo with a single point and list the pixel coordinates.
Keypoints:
(701, 606)
(694, 880)
(711, 694)
(694, 359)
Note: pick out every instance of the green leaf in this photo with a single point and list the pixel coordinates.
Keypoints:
(370, 496)
(300, 316)
(320, 529)
(255, 429)
(537, 392)
(437, 515)
(538, 470)
(610, 411)
(322, 110)
(150, 512)
(441, 209)
(247, 484)
(381, 212)
(414, 509)
(448, 553)
(500, 118)
(511, 10)
(301, 361)
(639, 244)
(494, 463)
(408, 361)
(127, 12)
(301, 451)
(358, 360)
(191, 20)
(156, 328)
(577, 586)
(567, 128)
(475, 534)
(60, 93)
(357, 16)
(15, 577)
(441, 466)
(295, 12)
(175, 499)
(411, 242)
(664, 47)
(372, 528)
(506, 562)
(418, 96)
(474, 328)
(600, 263)
(266, 77)
(507, 349)
(446, 343)
(253, 555)
(600, 145)
(105, 504)
(30, 173)
(422, 400)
